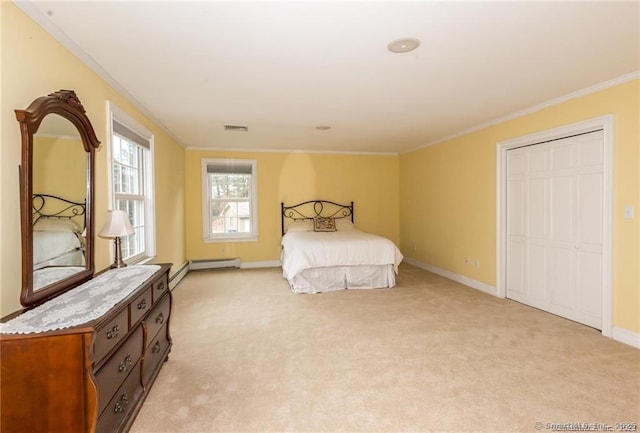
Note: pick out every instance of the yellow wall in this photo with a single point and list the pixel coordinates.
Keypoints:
(59, 168)
(370, 181)
(35, 64)
(448, 194)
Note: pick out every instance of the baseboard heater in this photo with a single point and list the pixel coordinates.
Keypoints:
(214, 264)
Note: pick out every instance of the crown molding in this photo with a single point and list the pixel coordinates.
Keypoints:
(555, 101)
(307, 151)
(43, 20)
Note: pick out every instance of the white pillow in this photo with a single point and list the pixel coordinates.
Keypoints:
(344, 224)
(56, 225)
(300, 226)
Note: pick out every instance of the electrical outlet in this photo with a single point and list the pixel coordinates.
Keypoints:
(629, 212)
(477, 263)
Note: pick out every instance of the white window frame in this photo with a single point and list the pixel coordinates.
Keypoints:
(252, 236)
(116, 114)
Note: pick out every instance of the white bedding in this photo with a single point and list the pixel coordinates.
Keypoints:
(317, 280)
(48, 275)
(56, 242)
(313, 262)
(48, 245)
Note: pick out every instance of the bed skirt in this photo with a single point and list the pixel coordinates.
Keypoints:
(317, 280)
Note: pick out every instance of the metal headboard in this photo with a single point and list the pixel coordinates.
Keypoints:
(52, 206)
(308, 210)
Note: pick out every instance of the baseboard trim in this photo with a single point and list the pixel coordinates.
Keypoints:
(267, 264)
(474, 284)
(175, 279)
(627, 337)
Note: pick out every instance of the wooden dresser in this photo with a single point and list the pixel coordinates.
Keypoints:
(92, 377)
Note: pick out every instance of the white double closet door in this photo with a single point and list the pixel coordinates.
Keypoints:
(555, 208)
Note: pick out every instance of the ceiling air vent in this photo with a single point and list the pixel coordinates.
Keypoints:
(240, 128)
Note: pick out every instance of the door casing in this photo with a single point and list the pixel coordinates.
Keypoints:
(606, 124)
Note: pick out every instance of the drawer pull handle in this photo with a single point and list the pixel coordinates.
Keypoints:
(160, 318)
(113, 332)
(160, 286)
(118, 408)
(142, 304)
(156, 348)
(126, 364)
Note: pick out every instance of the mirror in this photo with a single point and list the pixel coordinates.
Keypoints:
(56, 196)
(59, 190)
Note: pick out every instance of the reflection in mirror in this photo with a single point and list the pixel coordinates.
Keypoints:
(56, 196)
(59, 189)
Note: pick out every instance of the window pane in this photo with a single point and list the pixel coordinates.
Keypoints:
(127, 166)
(117, 177)
(230, 216)
(134, 244)
(230, 185)
(125, 152)
(127, 179)
(132, 181)
(134, 209)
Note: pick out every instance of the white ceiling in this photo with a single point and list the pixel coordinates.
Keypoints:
(283, 68)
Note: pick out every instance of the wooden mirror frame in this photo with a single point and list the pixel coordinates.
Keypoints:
(66, 104)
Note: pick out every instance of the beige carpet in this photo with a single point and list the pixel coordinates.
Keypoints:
(427, 355)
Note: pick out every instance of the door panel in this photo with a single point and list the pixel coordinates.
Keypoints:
(590, 187)
(562, 204)
(562, 156)
(535, 212)
(589, 277)
(536, 272)
(561, 275)
(515, 271)
(555, 209)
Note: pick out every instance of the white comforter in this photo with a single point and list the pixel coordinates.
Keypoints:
(51, 244)
(305, 249)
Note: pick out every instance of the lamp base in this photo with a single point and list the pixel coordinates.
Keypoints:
(118, 263)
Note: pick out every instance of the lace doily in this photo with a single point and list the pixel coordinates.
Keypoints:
(81, 304)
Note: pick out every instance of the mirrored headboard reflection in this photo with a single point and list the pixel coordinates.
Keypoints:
(56, 196)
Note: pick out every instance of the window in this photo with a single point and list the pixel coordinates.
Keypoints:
(229, 205)
(131, 183)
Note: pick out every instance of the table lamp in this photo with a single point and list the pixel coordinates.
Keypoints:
(116, 226)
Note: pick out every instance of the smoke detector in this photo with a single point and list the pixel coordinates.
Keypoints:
(403, 45)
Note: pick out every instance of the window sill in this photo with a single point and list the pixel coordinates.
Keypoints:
(140, 261)
(230, 239)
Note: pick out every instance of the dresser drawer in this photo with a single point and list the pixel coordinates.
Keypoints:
(139, 306)
(109, 334)
(158, 317)
(154, 355)
(160, 286)
(118, 367)
(122, 403)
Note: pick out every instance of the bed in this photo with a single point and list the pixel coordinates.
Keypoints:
(322, 251)
(58, 242)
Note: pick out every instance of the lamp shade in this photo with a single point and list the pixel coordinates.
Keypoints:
(116, 225)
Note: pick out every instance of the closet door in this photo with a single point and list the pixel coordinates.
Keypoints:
(555, 201)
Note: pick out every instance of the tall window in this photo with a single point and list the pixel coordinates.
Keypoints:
(132, 174)
(229, 207)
